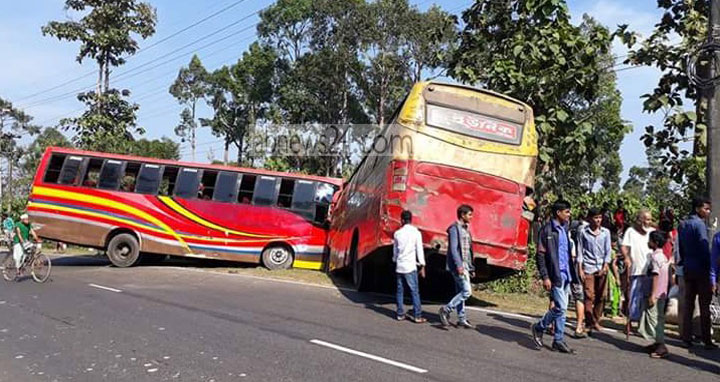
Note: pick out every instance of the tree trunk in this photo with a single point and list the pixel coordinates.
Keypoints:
(226, 154)
(98, 89)
(107, 74)
(192, 133)
(9, 188)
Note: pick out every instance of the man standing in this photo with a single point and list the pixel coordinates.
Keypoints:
(636, 252)
(594, 256)
(697, 266)
(460, 265)
(407, 255)
(556, 270)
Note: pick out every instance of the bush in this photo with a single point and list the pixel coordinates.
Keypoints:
(524, 281)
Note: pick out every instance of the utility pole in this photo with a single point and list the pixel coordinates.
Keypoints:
(713, 120)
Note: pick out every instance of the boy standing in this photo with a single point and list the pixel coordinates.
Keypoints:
(652, 322)
(460, 265)
(556, 270)
(407, 255)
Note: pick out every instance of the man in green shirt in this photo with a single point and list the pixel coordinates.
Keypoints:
(23, 232)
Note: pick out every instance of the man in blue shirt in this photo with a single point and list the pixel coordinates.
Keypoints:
(694, 248)
(594, 256)
(557, 272)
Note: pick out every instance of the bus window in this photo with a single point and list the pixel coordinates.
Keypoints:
(92, 174)
(226, 187)
(285, 197)
(130, 178)
(247, 188)
(266, 191)
(148, 180)
(167, 184)
(323, 198)
(69, 172)
(303, 196)
(187, 183)
(110, 175)
(207, 186)
(53, 170)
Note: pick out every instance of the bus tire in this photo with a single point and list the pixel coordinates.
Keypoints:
(123, 250)
(359, 276)
(277, 257)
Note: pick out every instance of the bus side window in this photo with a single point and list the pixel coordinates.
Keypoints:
(69, 172)
(187, 184)
(110, 175)
(148, 180)
(323, 199)
(303, 196)
(247, 188)
(130, 178)
(266, 191)
(52, 175)
(167, 184)
(207, 186)
(285, 197)
(92, 174)
(226, 187)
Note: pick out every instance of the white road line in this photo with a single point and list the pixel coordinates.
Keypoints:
(370, 356)
(105, 288)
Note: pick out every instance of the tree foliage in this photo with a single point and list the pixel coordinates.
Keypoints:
(529, 50)
(680, 31)
(190, 86)
(105, 31)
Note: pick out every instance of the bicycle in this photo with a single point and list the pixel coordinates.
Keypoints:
(38, 263)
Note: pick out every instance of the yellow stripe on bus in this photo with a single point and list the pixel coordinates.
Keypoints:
(46, 191)
(197, 219)
(314, 265)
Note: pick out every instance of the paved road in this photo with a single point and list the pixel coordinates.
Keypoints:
(166, 323)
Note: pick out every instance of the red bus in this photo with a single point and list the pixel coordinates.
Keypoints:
(130, 206)
(447, 145)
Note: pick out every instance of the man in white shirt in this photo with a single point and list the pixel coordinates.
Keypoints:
(407, 255)
(636, 252)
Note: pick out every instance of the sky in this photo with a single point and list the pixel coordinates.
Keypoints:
(40, 74)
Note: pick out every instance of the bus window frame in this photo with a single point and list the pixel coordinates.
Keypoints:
(78, 171)
(276, 190)
(121, 174)
(238, 178)
(198, 178)
(161, 169)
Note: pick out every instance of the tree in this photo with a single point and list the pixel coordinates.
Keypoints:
(285, 25)
(685, 22)
(189, 87)
(431, 35)
(240, 96)
(163, 148)
(14, 124)
(529, 50)
(108, 123)
(47, 138)
(105, 31)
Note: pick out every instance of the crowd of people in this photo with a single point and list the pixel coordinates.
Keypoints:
(596, 259)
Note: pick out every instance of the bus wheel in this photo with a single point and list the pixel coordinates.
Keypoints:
(123, 250)
(359, 278)
(277, 257)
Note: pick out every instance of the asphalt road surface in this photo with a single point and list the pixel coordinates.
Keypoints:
(92, 322)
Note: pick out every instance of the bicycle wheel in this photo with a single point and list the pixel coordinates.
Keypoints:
(9, 272)
(40, 268)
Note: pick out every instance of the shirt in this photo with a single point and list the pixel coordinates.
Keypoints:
(639, 250)
(465, 244)
(407, 249)
(715, 259)
(8, 224)
(24, 232)
(669, 244)
(660, 266)
(594, 250)
(563, 251)
(694, 246)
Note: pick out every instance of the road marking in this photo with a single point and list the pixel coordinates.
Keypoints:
(369, 356)
(105, 288)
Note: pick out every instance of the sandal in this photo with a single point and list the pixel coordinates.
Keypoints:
(419, 320)
(659, 355)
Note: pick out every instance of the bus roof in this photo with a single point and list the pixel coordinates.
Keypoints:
(481, 90)
(64, 150)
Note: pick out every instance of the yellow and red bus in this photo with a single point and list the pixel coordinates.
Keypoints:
(447, 145)
(130, 206)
